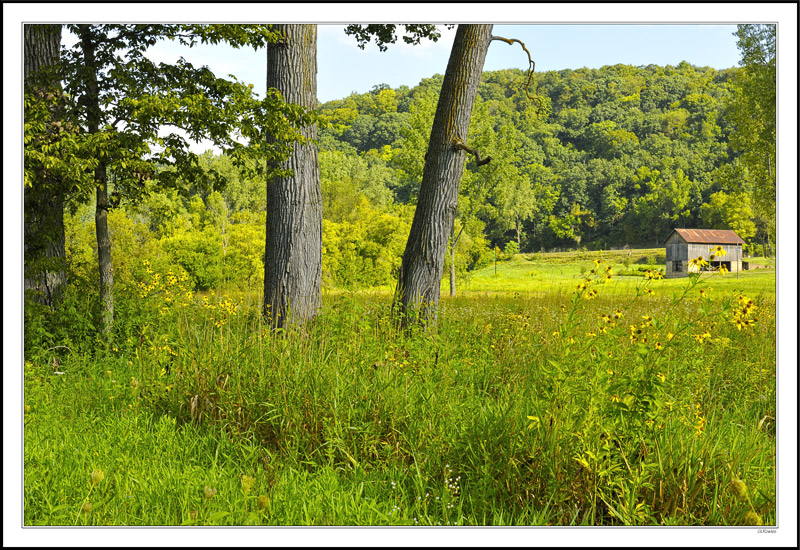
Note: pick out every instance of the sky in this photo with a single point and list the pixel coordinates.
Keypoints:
(343, 68)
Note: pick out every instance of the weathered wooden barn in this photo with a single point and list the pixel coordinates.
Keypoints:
(684, 245)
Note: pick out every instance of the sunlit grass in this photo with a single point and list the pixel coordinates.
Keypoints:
(550, 407)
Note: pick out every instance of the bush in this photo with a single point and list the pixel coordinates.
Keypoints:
(512, 248)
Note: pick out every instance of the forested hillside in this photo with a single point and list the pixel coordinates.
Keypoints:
(598, 159)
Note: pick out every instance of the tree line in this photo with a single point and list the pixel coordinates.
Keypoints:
(461, 163)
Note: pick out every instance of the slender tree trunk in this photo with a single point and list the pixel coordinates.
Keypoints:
(519, 236)
(293, 254)
(453, 264)
(455, 240)
(104, 250)
(93, 119)
(418, 287)
(44, 248)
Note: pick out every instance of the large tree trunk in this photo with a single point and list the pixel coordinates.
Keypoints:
(44, 247)
(418, 287)
(293, 254)
(93, 117)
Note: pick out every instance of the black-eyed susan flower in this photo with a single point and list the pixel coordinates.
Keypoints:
(698, 262)
(717, 251)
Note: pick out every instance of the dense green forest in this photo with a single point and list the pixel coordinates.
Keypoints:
(600, 158)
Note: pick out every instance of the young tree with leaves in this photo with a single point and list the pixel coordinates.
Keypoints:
(121, 100)
(752, 110)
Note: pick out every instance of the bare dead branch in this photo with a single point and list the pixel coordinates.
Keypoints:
(458, 144)
(531, 67)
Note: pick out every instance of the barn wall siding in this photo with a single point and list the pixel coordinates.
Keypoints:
(679, 253)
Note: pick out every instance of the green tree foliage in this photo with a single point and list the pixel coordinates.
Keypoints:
(119, 100)
(613, 156)
(724, 211)
(752, 111)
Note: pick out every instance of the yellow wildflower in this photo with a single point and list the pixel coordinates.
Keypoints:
(698, 262)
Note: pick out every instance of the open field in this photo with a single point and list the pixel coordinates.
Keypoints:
(534, 403)
(559, 273)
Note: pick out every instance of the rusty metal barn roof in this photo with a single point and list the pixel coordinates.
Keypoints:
(708, 236)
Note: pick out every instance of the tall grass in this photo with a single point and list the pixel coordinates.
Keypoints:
(548, 409)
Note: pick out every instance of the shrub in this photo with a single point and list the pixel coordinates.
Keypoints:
(512, 248)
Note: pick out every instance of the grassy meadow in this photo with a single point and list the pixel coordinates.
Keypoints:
(545, 396)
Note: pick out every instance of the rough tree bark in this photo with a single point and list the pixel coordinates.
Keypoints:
(92, 103)
(418, 287)
(293, 254)
(44, 247)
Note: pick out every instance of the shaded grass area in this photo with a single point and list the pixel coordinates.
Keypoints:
(535, 409)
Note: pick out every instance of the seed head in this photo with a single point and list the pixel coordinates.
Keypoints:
(98, 476)
(751, 518)
(87, 507)
(247, 483)
(209, 492)
(262, 502)
(739, 488)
